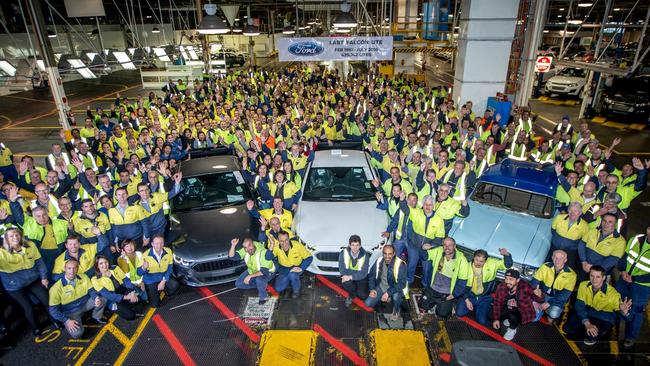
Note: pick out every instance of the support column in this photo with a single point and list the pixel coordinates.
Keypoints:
(51, 68)
(534, 39)
(486, 33)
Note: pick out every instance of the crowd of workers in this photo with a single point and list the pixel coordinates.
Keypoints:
(84, 234)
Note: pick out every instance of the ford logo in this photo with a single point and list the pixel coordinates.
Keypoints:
(306, 49)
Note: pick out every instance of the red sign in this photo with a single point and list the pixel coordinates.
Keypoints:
(543, 64)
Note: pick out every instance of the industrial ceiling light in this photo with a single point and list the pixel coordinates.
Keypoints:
(575, 21)
(237, 29)
(288, 30)
(212, 23)
(7, 68)
(585, 5)
(250, 30)
(344, 19)
(155, 30)
(342, 30)
(51, 34)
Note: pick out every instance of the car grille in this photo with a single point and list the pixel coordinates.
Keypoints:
(328, 269)
(215, 265)
(328, 256)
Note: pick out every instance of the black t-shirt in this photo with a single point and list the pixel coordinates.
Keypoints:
(511, 300)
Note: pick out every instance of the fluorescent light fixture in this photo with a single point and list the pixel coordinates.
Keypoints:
(7, 68)
(51, 34)
(585, 5)
(288, 30)
(193, 55)
(236, 19)
(617, 9)
(215, 47)
(575, 21)
(342, 30)
(217, 62)
(559, 15)
(155, 30)
(161, 54)
(561, 9)
(41, 65)
(545, 30)
(148, 17)
(186, 56)
(124, 60)
(81, 68)
(57, 57)
(91, 55)
(131, 51)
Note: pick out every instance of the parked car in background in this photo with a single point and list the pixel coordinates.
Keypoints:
(338, 200)
(512, 207)
(568, 81)
(628, 97)
(206, 215)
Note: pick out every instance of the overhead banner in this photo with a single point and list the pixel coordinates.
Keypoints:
(336, 49)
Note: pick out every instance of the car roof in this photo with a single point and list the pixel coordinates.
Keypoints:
(523, 175)
(339, 158)
(209, 164)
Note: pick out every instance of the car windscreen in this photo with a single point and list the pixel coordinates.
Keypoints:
(513, 199)
(211, 191)
(339, 184)
(574, 73)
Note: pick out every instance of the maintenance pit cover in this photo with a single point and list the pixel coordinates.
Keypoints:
(399, 347)
(287, 347)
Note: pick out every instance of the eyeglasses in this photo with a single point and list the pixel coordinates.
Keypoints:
(42, 191)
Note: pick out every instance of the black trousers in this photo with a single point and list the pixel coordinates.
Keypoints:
(153, 294)
(433, 298)
(513, 315)
(358, 288)
(125, 310)
(575, 330)
(21, 296)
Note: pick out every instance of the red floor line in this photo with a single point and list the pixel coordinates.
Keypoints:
(175, 344)
(445, 357)
(498, 337)
(230, 315)
(343, 293)
(340, 346)
(272, 291)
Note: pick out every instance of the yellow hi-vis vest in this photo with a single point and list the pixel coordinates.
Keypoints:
(638, 258)
(53, 209)
(397, 261)
(460, 188)
(517, 151)
(347, 260)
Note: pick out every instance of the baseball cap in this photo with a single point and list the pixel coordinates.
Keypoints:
(565, 117)
(512, 273)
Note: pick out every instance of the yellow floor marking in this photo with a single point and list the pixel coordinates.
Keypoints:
(599, 119)
(30, 99)
(614, 124)
(637, 126)
(95, 342)
(134, 338)
(118, 334)
(443, 337)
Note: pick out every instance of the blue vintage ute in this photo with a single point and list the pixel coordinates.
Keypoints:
(512, 206)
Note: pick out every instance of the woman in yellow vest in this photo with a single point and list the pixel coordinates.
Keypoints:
(113, 285)
(23, 274)
(288, 191)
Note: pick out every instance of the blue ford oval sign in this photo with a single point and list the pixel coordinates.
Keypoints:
(306, 49)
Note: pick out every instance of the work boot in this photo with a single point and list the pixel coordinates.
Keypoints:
(348, 302)
(629, 343)
(589, 341)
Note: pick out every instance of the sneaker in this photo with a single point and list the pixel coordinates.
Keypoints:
(589, 341)
(506, 323)
(348, 302)
(394, 316)
(510, 334)
(100, 321)
(629, 343)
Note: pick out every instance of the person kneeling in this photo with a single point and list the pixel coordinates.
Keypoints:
(113, 285)
(72, 296)
(156, 271)
(293, 259)
(259, 269)
(596, 307)
(513, 304)
(387, 281)
(353, 267)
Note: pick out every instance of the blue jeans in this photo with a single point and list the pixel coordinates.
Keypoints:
(482, 306)
(553, 311)
(285, 279)
(413, 256)
(258, 282)
(396, 298)
(639, 295)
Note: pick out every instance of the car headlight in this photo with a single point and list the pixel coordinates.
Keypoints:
(573, 85)
(525, 270)
(641, 105)
(182, 261)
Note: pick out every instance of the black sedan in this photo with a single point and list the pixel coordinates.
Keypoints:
(206, 215)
